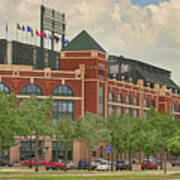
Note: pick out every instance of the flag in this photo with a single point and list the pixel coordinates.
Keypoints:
(6, 27)
(65, 41)
(18, 27)
(56, 39)
(37, 33)
(23, 28)
(43, 34)
(29, 29)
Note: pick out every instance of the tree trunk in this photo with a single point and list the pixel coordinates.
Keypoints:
(112, 160)
(36, 153)
(140, 158)
(66, 159)
(130, 160)
(165, 163)
(0, 148)
(161, 160)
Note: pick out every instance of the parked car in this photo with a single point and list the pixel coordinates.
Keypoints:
(54, 165)
(149, 164)
(175, 162)
(70, 165)
(4, 162)
(83, 164)
(103, 166)
(32, 162)
(122, 164)
(96, 162)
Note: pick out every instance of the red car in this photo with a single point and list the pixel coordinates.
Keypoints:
(149, 164)
(32, 162)
(54, 165)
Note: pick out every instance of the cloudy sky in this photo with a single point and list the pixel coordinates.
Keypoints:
(146, 30)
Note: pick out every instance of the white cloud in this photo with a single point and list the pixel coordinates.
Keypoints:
(150, 34)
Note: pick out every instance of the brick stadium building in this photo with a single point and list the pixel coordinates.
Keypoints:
(82, 85)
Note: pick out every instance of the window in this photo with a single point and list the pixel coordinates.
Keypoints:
(153, 103)
(111, 96)
(101, 101)
(62, 90)
(145, 114)
(58, 151)
(173, 108)
(27, 149)
(30, 89)
(128, 99)
(119, 98)
(110, 109)
(127, 111)
(135, 113)
(135, 100)
(119, 111)
(4, 88)
(62, 107)
(145, 102)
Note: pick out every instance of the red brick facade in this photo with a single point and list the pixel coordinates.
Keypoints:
(84, 72)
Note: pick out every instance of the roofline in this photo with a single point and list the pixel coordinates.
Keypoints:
(134, 60)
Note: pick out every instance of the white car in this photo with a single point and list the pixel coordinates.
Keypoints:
(103, 167)
(96, 162)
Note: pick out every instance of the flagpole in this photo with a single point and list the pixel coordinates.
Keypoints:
(7, 31)
(16, 32)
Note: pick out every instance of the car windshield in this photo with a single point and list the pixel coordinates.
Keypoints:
(120, 161)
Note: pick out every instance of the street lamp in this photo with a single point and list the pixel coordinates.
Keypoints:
(30, 149)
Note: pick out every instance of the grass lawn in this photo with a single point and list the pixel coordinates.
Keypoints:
(83, 172)
(127, 177)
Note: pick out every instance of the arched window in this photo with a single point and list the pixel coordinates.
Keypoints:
(62, 107)
(135, 100)
(128, 99)
(30, 89)
(111, 96)
(62, 90)
(119, 98)
(4, 88)
(145, 102)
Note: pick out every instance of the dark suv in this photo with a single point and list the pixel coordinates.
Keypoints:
(122, 164)
(4, 162)
(83, 164)
(175, 162)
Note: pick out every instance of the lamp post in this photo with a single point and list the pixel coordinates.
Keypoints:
(30, 165)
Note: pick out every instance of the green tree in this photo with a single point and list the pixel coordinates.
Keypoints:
(174, 145)
(91, 130)
(129, 136)
(9, 125)
(148, 134)
(65, 134)
(35, 118)
(163, 128)
(113, 127)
